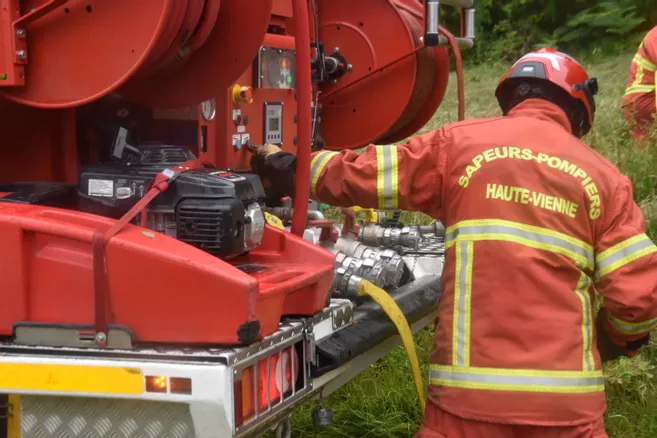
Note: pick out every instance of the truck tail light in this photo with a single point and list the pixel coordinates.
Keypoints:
(265, 384)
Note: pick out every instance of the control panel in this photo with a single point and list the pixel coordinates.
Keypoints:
(273, 126)
(260, 107)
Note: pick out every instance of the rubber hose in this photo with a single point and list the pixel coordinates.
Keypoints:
(459, 69)
(395, 314)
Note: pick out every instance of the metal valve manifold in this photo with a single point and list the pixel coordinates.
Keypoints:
(392, 262)
(376, 235)
(369, 269)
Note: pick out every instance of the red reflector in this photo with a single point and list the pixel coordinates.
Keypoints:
(274, 381)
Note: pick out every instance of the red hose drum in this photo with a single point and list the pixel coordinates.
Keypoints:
(378, 100)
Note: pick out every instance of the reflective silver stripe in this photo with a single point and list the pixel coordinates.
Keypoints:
(528, 235)
(529, 382)
(628, 251)
(629, 328)
(587, 331)
(463, 297)
(317, 165)
(387, 174)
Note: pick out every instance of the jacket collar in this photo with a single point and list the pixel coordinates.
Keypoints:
(543, 110)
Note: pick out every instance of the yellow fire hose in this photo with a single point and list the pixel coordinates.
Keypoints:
(395, 314)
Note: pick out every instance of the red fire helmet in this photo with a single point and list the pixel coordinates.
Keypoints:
(558, 69)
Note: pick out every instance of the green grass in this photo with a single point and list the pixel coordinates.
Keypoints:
(382, 403)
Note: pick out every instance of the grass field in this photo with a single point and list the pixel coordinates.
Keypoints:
(382, 403)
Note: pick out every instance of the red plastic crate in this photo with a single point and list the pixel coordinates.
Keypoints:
(163, 290)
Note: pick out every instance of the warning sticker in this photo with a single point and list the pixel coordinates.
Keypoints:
(101, 187)
(228, 175)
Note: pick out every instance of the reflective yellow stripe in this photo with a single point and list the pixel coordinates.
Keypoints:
(582, 291)
(464, 233)
(462, 308)
(14, 417)
(559, 382)
(632, 328)
(527, 235)
(644, 63)
(623, 253)
(640, 89)
(387, 177)
(70, 378)
(317, 165)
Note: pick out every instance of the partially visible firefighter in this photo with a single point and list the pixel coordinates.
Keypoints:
(535, 221)
(639, 103)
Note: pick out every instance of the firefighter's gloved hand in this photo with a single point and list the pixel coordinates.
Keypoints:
(262, 150)
(275, 167)
(610, 350)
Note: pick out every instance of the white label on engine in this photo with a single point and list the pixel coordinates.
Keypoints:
(101, 187)
(236, 113)
(241, 128)
(245, 139)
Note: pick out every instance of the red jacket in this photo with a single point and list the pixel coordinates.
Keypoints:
(641, 82)
(534, 219)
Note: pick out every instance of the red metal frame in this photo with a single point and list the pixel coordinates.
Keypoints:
(304, 96)
(160, 288)
(13, 28)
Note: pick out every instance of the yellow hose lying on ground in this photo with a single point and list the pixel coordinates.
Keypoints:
(395, 314)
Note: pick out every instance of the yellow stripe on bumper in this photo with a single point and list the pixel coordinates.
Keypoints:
(70, 378)
(14, 417)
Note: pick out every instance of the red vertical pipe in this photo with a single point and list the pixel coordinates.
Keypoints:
(302, 182)
(70, 159)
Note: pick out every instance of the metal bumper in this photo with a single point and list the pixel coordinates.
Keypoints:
(71, 392)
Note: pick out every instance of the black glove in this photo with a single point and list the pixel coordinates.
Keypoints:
(608, 349)
(279, 170)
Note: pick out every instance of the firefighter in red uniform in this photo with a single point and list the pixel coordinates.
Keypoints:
(535, 221)
(639, 103)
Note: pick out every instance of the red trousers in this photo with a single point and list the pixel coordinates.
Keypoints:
(441, 424)
(640, 114)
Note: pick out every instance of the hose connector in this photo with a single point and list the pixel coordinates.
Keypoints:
(376, 235)
(368, 268)
(431, 23)
(392, 262)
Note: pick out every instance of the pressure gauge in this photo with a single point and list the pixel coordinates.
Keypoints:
(208, 109)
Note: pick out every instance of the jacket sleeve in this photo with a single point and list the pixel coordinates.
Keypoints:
(626, 272)
(408, 177)
(649, 47)
(650, 50)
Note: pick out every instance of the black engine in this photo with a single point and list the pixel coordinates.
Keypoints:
(217, 211)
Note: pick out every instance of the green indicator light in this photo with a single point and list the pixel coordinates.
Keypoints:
(289, 79)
